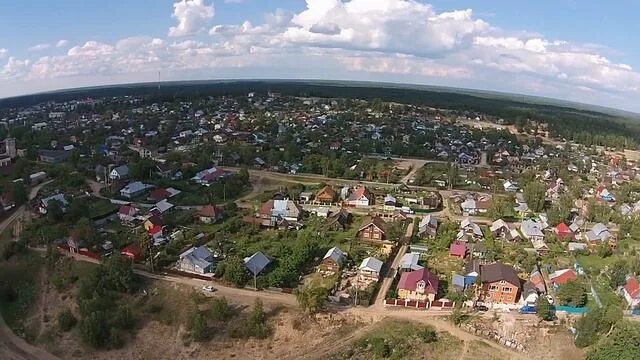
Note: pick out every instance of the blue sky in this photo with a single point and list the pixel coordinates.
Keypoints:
(574, 50)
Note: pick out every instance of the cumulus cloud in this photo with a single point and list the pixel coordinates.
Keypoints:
(3, 52)
(192, 17)
(360, 39)
(62, 43)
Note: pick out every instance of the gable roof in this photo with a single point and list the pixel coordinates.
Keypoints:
(359, 193)
(498, 271)
(632, 287)
(458, 248)
(256, 262)
(208, 211)
(410, 261)
(409, 281)
(336, 255)
(561, 277)
(371, 264)
(373, 220)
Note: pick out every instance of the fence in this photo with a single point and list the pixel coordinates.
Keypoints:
(407, 303)
(572, 310)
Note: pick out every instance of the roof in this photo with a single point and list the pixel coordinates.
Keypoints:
(498, 224)
(326, 191)
(163, 206)
(632, 287)
(134, 187)
(160, 194)
(56, 197)
(561, 277)
(336, 255)
(562, 228)
(208, 211)
(457, 280)
(428, 220)
(358, 193)
(156, 229)
(410, 261)
(199, 256)
(373, 220)
(472, 266)
(371, 264)
(127, 210)
(531, 228)
(458, 248)
(409, 281)
(497, 272)
(256, 262)
(599, 228)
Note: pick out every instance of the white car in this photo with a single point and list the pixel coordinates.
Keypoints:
(208, 288)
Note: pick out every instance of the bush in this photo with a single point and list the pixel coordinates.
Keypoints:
(220, 309)
(427, 335)
(380, 348)
(66, 320)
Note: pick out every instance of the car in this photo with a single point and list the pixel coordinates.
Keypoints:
(208, 288)
(481, 308)
(528, 310)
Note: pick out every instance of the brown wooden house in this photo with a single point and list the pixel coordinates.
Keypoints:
(372, 229)
(326, 195)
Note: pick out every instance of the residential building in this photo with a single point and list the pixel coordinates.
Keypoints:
(119, 173)
(561, 277)
(256, 263)
(458, 249)
(500, 283)
(360, 197)
(326, 195)
(332, 261)
(134, 189)
(280, 213)
(428, 227)
(631, 292)
(372, 229)
(418, 285)
(369, 269)
(209, 214)
(196, 260)
(339, 221)
(46, 202)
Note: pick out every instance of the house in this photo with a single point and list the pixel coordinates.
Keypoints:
(326, 195)
(576, 246)
(163, 206)
(280, 213)
(360, 197)
(389, 202)
(209, 214)
(458, 249)
(339, 221)
(532, 230)
(119, 173)
(332, 261)
(370, 269)
(598, 234)
(46, 202)
(428, 227)
(127, 213)
(132, 252)
(477, 249)
(306, 196)
(134, 189)
(561, 277)
(458, 283)
(209, 176)
(196, 260)
(469, 231)
(37, 177)
(501, 230)
(418, 285)
(631, 292)
(160, 194)
(471, 271)
(256, 263)
(510, 186)
(500, 283)
(152, 222)
(372, 229)
(563, 232)
(537, 280)
(409, 261)
(53, 156)
(530, 294)
(474, 207)
(603, 194)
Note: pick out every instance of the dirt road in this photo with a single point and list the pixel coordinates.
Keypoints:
(13, 347)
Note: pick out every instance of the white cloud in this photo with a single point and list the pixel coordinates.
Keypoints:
(192, 16)
(387, 40)
(233, 1)
(62, 43)
(39, 47)
(3, 52)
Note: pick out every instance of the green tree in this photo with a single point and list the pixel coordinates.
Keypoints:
(573, 293)
(220, 309)
(534, 195)
(66, 320)
(20, 195)
(54, 211)
(618, 274)
(257, 321)
(233, 271)
(622, 344)
(543, 308)
(311, 298)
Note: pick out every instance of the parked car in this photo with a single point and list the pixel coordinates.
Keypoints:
(208, 288)
(528, 310)
(480, 308)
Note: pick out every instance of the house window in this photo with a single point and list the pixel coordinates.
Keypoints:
(376, 235)
(502, 282)
(493, 288)
(506, 289)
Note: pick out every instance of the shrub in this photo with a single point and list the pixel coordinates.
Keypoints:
(427, 335)
(66, 320)
(220, 309)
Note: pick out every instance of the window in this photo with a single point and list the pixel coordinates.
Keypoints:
(502, 282)
(506, 289)
(493, 288)
(376, 235)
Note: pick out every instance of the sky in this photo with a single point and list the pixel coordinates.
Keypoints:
(582, 51)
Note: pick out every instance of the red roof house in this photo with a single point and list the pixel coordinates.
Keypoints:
(132, 251)
(159, 194)
(458, 249)
(561, 277)
(563, 232)
(420, 285)
(631, 292)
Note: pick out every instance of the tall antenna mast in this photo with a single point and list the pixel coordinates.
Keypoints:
(158, 80)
